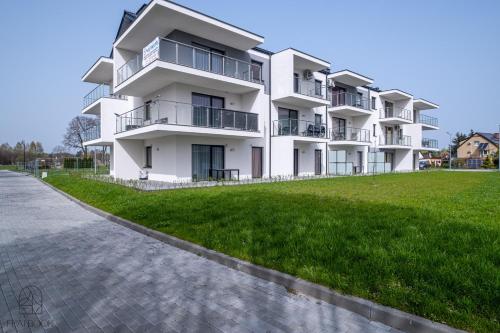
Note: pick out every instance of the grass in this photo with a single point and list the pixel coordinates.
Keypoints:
(426, 243)
(8, 167)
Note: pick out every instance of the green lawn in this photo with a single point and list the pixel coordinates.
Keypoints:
(427, 243)
(8, 167)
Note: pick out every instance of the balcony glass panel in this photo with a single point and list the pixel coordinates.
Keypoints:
(184, 114)
(194, 57)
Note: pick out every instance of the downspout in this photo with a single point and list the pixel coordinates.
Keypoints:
(326, 123)
(269, 111)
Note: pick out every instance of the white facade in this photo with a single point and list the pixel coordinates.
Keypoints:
(186, 97)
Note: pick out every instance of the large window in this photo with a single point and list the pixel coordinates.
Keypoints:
(207, 110)
(205, 160)
(149, 157)
(288, 123)
(317, 87)
(256, 71)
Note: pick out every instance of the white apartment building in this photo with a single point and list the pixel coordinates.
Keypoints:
(187, 97)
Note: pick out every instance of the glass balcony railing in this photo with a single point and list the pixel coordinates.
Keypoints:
(92, 133)
(177, 113)
(396, 113)
(427, 120)
(309, 88)
(194, 57)
(395, 140)
(102, 90)
(350, 134)
(429, 143)
(295, 127)
(349, 99)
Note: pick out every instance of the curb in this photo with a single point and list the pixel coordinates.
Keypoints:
(389, 316)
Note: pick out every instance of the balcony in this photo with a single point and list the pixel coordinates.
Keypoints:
(305, 93)
(428, 122)
(391, 115)
(348, 136)
(430, 144)
(92, 133)
(302, 129)
(348, 104)
(101, 91)
(395, 141)
(167, 61)
(161, 117)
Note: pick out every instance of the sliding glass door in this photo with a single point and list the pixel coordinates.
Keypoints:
(205, 159)
(207, 110)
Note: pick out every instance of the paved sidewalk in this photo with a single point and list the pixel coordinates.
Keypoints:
(86, 274)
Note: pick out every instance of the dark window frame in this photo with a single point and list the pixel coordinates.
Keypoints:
(317, 87)
(149, 157)
(260, 64)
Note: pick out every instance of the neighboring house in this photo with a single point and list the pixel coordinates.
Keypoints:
(477, 147)
(431, 159)
(187, 97)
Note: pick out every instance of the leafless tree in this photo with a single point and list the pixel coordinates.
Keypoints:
(73, 139)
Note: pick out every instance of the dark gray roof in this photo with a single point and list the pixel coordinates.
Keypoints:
(489, 136)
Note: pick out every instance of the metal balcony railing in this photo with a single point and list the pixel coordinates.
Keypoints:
(395, 140)
(428, 120)
(102, 90)
(349, 99)
(190, 56)
(184, 114)
(295, 127)
(389, 112)
(309, 88)
(429, 143)
(92, 133)
(350, 134)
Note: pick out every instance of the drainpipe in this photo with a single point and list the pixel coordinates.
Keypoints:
(326, 123)
(270, 124)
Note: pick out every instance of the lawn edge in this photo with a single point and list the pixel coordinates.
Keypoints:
(373, 311)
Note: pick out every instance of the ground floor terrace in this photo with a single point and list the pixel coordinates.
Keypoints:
(187, 158)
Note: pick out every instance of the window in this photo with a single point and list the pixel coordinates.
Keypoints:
(374, 103)
(147, 110)
(317, 87)
(295, 82)
(317, 119)
(374, 130)
(256, 71)
(149, 157)
(476, 143)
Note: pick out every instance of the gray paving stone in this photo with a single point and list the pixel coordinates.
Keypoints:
(97, 276)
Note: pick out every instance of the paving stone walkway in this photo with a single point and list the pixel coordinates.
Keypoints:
(64, 269)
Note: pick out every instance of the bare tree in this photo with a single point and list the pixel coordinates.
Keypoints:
(73, 139)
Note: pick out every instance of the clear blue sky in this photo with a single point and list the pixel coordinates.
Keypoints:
(445, 51)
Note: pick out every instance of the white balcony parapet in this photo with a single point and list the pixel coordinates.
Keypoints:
(163, 112)
(171, 51)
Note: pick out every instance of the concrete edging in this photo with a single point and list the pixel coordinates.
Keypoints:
(389, 316)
